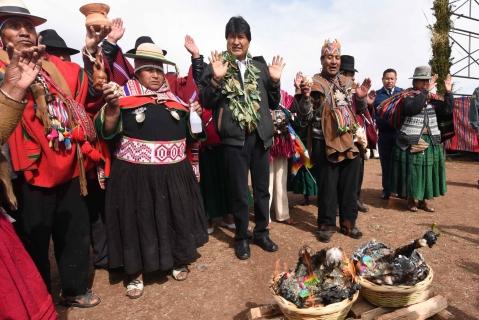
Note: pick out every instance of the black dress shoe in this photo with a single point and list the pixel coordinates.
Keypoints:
(325, 235)
(265, 243)
(362, 207)
(242, 249)
(352, 233)
(325, 232)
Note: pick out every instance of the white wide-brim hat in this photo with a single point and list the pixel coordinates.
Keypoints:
(16, 8)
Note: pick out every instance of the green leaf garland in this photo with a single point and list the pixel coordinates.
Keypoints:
(243, 102)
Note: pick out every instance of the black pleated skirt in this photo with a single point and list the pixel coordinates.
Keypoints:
(154, 216)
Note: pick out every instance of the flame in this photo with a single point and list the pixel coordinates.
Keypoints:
(348, 269)
(308, 262)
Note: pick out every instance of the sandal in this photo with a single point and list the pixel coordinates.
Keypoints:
(87, 300)
(423, 205)
(134, 289)
(412, 206)
(180, 274)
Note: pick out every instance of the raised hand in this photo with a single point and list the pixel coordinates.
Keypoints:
(363, 89)
(195, 106)
(371, 97)
(448, 83)
(112, 96)
(219, 66)
(276, 68)
(93, 38)
(22, 70)
(432, 82)
(117, 31)
(297, 80)
(305, 84)
(190, 45)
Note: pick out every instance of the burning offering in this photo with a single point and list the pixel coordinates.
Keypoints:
(404, 266)
(319, 279)
(395, 278)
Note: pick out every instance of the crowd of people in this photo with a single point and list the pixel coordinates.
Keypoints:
(139, 163)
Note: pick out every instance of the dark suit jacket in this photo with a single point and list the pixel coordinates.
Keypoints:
(229, 130)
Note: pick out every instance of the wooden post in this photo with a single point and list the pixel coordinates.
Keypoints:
(419, 311)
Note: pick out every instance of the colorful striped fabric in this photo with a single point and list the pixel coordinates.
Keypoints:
(390, 109)
(466, 136)
(301, 155)
(344, 118)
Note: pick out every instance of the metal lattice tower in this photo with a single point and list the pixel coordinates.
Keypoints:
(465, 44)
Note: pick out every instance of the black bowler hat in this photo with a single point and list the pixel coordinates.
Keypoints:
(347, 63)
(141, 40)
(53, 41)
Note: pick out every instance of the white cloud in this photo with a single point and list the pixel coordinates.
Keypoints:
(380, 34)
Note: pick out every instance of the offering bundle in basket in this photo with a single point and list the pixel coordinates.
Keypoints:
(322, 286)
(394, 278)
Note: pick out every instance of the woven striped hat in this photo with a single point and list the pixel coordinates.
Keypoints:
(149, 51)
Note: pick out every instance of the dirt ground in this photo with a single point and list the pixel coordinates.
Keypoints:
(222, 287)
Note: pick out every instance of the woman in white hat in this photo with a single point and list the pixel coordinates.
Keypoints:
(154, 213)
(418, 169)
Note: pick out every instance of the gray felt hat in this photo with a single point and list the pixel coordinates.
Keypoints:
(422, 73)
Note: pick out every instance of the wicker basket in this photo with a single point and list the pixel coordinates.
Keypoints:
(395, 296)
(334, 311)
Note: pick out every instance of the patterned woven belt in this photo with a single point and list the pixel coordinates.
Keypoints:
(151, 152)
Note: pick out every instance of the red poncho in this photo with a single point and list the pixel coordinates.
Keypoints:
(24, 294)
(30, 151)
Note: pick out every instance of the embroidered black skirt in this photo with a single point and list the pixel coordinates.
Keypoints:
(154, 215)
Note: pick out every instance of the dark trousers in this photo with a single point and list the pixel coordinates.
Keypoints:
(361, 174)
(96, 207)
(59, 212)
(386, 141)
(252, 156)
(337, 187)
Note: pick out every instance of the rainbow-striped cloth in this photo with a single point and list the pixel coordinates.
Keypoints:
(466, 135)
(390, 109)
(301, 155)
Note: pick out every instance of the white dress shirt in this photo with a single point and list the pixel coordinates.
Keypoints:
(242, 64)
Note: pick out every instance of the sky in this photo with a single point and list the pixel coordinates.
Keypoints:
(379, 34)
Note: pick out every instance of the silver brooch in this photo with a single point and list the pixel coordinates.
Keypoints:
(140, 114)
(174, 114)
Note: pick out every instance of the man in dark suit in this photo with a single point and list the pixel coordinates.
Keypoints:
(241, 91)
(386, 134)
